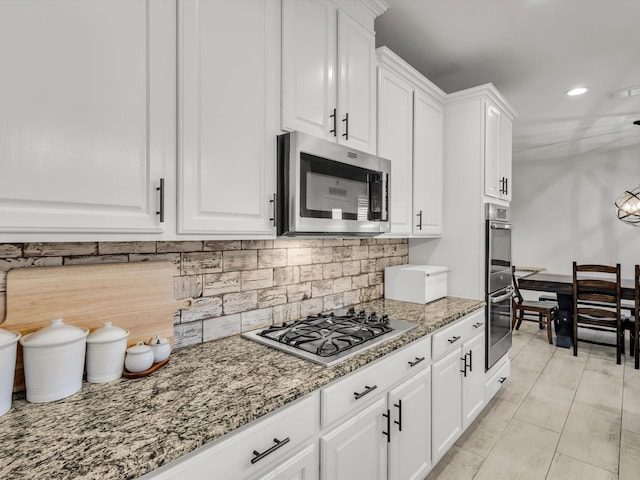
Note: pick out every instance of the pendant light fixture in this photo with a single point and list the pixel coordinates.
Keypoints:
(628, 204)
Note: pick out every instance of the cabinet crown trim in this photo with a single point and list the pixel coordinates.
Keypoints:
(376, 7)
(487, 90)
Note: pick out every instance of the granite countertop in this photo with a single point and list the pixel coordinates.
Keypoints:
(126, 428)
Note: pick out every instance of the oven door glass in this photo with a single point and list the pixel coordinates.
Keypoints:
(499, 324)
(500, 246)
(336, 190)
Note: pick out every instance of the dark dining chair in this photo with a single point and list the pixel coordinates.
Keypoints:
(596, 303)
(531, 310)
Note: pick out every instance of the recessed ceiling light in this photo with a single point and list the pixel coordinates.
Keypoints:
(577, 91)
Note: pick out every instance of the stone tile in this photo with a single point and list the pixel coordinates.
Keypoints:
(351, 297)
(360, 281)
(333, 242)
(114, 248)
(592, 435)
(186, 334)
(351, 268)
(359, 253)
(322, 255)
(395, 250)
(485, 431)
(269, 297)
(187, 286)
(286, 276)
(299, 256)
(393, 261)
(601, 391)
(547, 406)
(221, 327)
(524, 451)
(256, 244)
(183, 246)
(376, 251)
(221, 245)
(348, 242)
(368, 265)
(563, 371)
(276, 257)
(331, 302)
(340, 254)
(158, 257)
(311, 306)
(457, 464)
(286, 312)
(233, 260)
(286, 243)
(95, 259)
(311, 242)
(376, 278)
(10, 250)
(203, 308)
(310, 273)
(3, 307)
(629, 455)
(255, 319)
(298, 292)
(321, 288)
(566, 468)
(201, 262)
(371, 293)
(257, 279)
(331, 270)
(342, 284)
(382, 263)
(239, 302)
(55, 249)
(219, 283)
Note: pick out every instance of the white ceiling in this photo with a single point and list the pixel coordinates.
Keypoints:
(533, 51)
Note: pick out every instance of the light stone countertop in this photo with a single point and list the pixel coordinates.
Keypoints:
(124, 429)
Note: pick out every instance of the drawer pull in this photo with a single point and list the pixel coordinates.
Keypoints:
(367, 388)
(477, 325)
(416, 361)
(278, 443)
(388, 432)
(454, 339)
(502, 379)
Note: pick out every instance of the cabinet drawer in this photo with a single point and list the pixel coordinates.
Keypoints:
(456, 334)
(357, 389)
(496, 380)
(232, 457)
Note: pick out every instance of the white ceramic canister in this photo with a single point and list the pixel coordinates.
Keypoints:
(54, 361)
(139, 358)
(161, 348)
(8, 348)
(106, 348)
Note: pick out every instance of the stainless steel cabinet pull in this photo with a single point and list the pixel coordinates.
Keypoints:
(416, 361)
(388, 432)
(333, 115)
(161, 190)
(278, 443)
(502, 379)
(274, 202)
(367, 390)
(419, 215)
(399, 421)
(453, 339)
(477, 325)
(346, 128)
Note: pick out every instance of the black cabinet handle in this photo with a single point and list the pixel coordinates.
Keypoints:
(399, 421)
(274, 202)
(416, 361)
(477, 325)
(388, 432)
(367, 390)
(333, 115)
(502, 379)
(465, 365)
(278, 443)
(161, 190)
(506, 186)
(419, 215)
(346, 128)
(453, 339)
(470, 360)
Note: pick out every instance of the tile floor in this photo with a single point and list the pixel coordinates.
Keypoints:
(558, 417)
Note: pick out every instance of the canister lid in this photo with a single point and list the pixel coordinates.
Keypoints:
(107, 333)
(56, 333)
(7, 337)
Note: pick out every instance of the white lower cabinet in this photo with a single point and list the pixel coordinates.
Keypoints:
(303, 466)
(473, 380)
(447, 403)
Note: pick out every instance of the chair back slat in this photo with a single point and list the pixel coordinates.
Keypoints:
(596, 268)
(597, 297)
(596, 312)
(596, 284)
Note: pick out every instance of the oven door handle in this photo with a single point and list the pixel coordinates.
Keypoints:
(501, 226)
(502, 297)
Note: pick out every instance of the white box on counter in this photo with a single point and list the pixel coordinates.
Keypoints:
(415, 283)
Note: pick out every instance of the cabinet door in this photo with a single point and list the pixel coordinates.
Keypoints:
(410, 447)
(88, 115)
(356, 84)
(446, 398)
(473, 383)
(492, 184)
(308, 67)
(506, 152)
(428, 139)
(228, 120)
(358, 448)
(303, 466)
(395, 143)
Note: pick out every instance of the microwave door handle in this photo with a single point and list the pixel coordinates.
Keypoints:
(501, 298)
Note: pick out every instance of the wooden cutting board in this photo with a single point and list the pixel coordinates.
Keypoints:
(136, 296)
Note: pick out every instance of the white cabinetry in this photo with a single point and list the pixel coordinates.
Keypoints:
(497, 153)
(228, 122)
(88, 116)
(303, 466)
(410, 135)
(328, 74)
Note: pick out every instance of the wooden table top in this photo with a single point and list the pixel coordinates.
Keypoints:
(563, 284)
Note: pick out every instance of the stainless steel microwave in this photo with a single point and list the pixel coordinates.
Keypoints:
(328, 189)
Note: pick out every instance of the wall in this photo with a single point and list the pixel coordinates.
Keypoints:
(237, 285)
(563, 210)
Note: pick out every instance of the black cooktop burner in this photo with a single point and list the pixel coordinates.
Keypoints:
(327, 335)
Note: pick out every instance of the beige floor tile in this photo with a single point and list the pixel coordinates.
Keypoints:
(631, 402)
(518, 385)
(603, 351)
(563, 371)
(546, 406)
(518, 342)
(629, 456)
(592, 435)
(534, 356)
(600, 390)
(523, 452)
(605, 366)
(567, 468)
(485, 431)
(457, 464)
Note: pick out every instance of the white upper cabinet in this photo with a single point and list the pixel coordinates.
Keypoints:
(506, 154)
(497, 153)
(228, 115)
(328, 71)
(87, 108)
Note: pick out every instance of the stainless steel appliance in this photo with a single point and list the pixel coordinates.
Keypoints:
(499, 290)
(328, 339)
(328, 189)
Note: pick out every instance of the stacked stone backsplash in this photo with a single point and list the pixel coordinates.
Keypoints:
(237, 285)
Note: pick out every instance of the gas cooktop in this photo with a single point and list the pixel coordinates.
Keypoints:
(328, 339)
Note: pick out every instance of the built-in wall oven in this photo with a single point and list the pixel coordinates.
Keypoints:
(499, 290)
